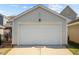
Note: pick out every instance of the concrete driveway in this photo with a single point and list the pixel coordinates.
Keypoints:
(39, 50)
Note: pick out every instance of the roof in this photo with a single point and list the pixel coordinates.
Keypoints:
(39, 5)
(70, 9)
(69, 13)
(75, 22)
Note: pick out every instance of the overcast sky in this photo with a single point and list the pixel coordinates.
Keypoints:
(15, 9)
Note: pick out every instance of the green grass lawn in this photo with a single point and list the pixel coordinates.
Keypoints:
(74, 48)
(4, 51)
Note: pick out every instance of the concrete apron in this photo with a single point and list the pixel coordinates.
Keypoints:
(39, 50)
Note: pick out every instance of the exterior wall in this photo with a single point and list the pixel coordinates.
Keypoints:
(5, 20)
(1, 31)
(64, 33)
(1, 19)
(33, 17)
(74, 33)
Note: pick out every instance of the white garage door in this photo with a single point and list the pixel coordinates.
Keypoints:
(40, 34)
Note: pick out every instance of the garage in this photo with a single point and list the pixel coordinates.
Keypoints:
(39, 34)
(39, 26)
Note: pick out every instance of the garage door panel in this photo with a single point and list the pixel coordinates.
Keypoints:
(39, 34)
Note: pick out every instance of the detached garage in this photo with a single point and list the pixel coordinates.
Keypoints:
(39, 26)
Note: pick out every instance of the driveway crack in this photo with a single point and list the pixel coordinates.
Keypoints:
(40, 50)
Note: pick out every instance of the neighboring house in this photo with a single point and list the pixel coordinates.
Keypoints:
(1, 30)
(8, 28)
(39, 26)
(1, 24)
(74, 31)
(8, 22)
(3, 21)
(69, 13)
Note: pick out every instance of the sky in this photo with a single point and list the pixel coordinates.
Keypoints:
(15, 9)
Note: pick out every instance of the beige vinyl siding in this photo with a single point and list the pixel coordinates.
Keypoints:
(74, 33)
